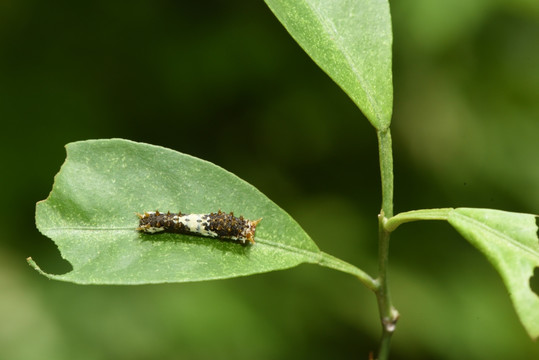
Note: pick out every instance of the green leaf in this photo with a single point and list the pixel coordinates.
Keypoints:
(90, 215)
(511, 244)
(351, 41)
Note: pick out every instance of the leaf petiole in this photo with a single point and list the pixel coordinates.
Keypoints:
(334, 263)
(416, 215)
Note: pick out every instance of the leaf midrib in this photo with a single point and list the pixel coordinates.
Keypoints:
(337, 40)
(498, 233)
(313, 256)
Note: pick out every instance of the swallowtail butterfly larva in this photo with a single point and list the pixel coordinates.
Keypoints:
(217, 225)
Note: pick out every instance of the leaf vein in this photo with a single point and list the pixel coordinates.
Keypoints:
(508, 239)
(333, 33)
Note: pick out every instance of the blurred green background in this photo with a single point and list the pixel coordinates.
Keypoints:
(222, 80)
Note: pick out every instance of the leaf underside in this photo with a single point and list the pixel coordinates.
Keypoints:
(351, 41)
(91, 216)
(510, 242)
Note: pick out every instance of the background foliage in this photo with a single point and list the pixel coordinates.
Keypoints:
(224, 81)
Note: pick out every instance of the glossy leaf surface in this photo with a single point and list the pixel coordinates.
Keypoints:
(90, 215)
(511, 244)
(351, 41)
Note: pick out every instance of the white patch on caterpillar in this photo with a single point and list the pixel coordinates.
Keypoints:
(218, 225)
(196, 223)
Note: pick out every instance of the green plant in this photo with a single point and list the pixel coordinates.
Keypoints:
(90, 212)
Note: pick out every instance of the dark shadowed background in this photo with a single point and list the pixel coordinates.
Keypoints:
(223, 81)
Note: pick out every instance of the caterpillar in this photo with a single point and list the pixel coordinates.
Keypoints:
(216, 225)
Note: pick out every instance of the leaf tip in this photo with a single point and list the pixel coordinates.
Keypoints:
(36, 267)
(33, 264)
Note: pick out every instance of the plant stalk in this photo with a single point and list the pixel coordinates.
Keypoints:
(386, 170)
(388, 314)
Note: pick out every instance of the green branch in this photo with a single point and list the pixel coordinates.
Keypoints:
(388, 314)
(386, 171)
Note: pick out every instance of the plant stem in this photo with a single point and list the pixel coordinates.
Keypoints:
(386, 170)
(388, 314)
